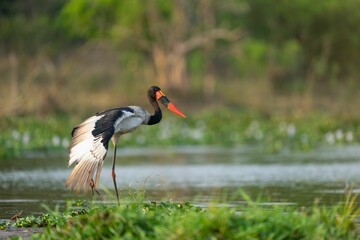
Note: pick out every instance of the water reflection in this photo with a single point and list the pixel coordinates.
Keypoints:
(189, 174)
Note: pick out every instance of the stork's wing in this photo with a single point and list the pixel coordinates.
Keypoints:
(88, 150)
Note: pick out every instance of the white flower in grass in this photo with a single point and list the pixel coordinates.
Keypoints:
(339, 135)
(26, 138)
(259, 135)
(254, 130)
(196, 134)
(56, 140)
(349, 136)
(330, 137)
(65, 143)
(15, 134)
(164, 132)
(291, 130)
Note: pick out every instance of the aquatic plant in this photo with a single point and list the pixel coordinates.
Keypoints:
(172, 220)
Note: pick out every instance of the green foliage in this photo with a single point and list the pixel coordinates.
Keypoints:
(223, 128)
(88, 19)
(170, 220)
(288, 47)
(303, 39)
(30, 28)
(4, 225)
(318, 29)
(22, 134)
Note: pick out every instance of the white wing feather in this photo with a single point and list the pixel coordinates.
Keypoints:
(88, 152)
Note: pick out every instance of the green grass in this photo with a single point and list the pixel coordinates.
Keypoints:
(273, 133)
(170, 220)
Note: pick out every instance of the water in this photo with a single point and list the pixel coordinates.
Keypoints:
(196, 174)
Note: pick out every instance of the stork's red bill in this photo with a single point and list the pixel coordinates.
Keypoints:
(160, 96)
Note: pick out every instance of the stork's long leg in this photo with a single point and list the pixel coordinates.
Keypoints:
(114, 175)
(92, 185)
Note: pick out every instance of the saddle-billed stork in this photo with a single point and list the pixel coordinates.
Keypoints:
(90, 139)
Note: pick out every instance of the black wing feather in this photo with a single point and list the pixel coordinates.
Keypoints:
(104, 127)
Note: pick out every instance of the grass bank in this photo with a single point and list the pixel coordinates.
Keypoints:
(272, 133)
(170, 220)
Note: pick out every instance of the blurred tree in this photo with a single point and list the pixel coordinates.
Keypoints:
(27, 31)
(165, 31)
(299, 45)
(28, 27)
(326, 32)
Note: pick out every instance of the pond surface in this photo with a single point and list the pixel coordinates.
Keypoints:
(197, 174)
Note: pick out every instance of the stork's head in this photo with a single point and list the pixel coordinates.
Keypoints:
(155, 94)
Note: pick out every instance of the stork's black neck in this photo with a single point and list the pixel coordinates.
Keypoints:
(156, 118)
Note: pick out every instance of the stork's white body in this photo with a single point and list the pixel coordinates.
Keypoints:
(131, 121)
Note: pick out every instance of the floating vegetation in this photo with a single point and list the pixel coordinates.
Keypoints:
(173, 220)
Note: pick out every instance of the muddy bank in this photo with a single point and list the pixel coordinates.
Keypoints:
(24, 233)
